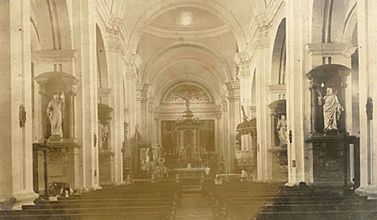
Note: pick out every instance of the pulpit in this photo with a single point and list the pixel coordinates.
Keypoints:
(246, 146)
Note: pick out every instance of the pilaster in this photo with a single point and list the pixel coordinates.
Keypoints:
(367, 34)
(233, 96)
(16, 176)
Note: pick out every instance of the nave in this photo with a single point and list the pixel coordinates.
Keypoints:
(188, 109)
(201, 199)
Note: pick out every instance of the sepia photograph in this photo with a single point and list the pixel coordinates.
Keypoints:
(188, 110)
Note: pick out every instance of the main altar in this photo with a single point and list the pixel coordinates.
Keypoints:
(187, 128)
(192, 158)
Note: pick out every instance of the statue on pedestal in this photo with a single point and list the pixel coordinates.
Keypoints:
(281, 128)
(331, 110)
(55, 111)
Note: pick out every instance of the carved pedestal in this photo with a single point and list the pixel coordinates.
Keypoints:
(105, 161)
(331, 156)
(280, 163)
(54, 155)
(59, 156)
(105, 156)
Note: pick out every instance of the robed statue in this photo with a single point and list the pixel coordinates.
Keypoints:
(331, 110)
(281, 128)
(55, 111)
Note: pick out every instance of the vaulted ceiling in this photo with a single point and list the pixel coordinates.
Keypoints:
(188, 40)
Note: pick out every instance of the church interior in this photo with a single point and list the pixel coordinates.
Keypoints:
(188, 109)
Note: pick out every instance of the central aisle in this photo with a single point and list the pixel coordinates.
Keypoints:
(193, 206)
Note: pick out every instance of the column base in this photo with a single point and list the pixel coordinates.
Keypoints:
(369, 191)
(25, 198)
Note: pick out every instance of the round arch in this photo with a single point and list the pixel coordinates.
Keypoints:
(167, 90)
(103, 78)
(51, 24)
(279, 55)
(350, 23)
(160, 92)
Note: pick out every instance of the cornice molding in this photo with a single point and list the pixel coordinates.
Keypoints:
(188, 34)
(277, 88)
(329, 49)
(54, 56)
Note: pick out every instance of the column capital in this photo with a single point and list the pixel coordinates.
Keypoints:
(142, 92)
(233, 90)
(233, 85)
(263, 36)
(243, 61)
(242, 58)
(133, 63)
(133, 60)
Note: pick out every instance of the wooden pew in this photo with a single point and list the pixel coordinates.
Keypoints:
(260, 201)
(145, 201)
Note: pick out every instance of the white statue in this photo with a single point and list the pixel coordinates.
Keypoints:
(331, 110)
(55, 110)
(282, 130)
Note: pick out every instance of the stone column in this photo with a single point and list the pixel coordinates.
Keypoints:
(131, 76)
(16, 179)
(142, 103)
(298, 112)
(234, 118)
(116, 68)
(262, 64)
(367, 34)
(245, 76)
(85, 65)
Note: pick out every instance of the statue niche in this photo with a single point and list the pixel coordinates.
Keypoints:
(57, 91)
(55, 113)
(279, 140)
(327, 85)
(329, 142)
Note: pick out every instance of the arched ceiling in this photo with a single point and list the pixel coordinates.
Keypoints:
(187, 40)
(50, 25)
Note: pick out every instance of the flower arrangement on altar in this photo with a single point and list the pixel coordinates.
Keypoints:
(157, 169)
(152, 163)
